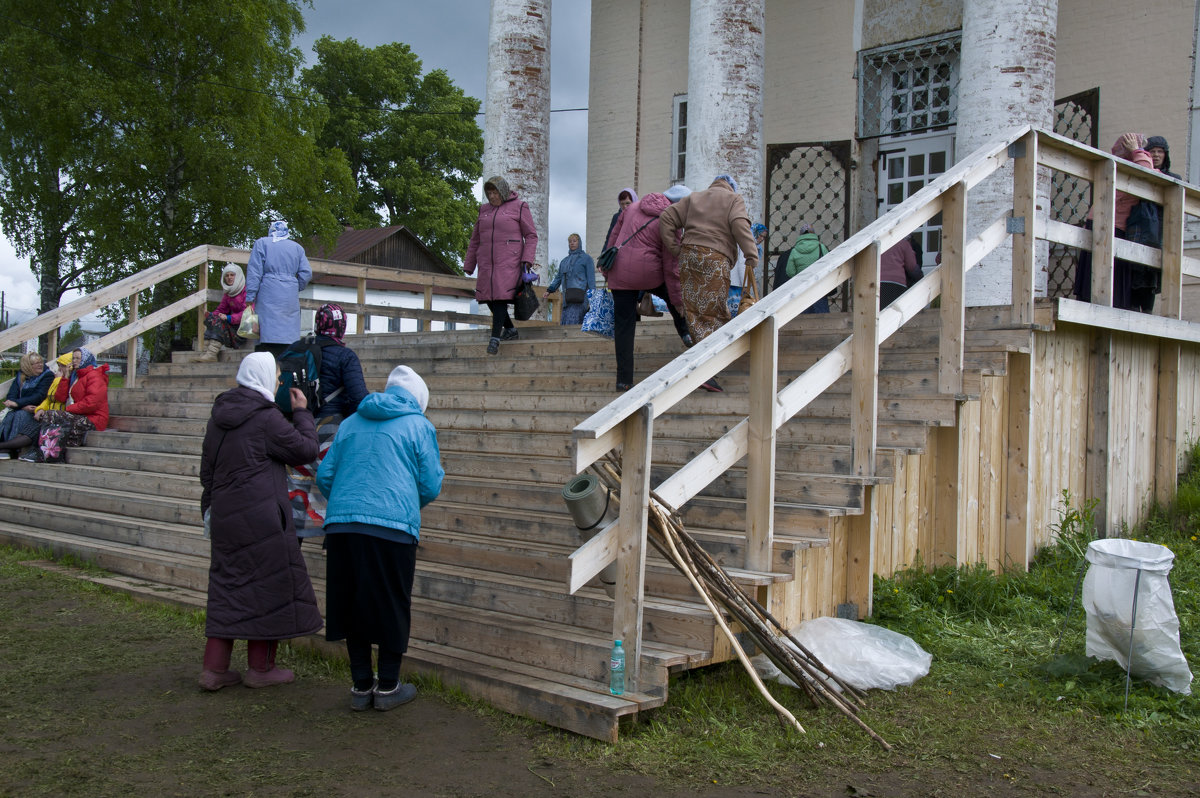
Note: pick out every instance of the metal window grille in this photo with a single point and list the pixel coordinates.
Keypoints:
(908, 87)
(1076, 117)
(805, 183)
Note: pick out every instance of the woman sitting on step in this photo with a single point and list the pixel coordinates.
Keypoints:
(222, 323)
(258, 586)
(29, 388)
(84, 394)
(382, 468)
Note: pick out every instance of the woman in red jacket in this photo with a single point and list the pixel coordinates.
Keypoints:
(503, 244)
(86, 396)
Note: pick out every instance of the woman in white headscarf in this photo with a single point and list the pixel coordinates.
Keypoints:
(276, 274)
(258, 587)
(383, 467)
(222, 323)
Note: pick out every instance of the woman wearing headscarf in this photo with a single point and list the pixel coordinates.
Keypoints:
(625, 197)
(29, 388)
(276, 274)
(642, 264)
(1130, 147)
(342, 388)
(383, 467)
(715, 226)
(576, 273)
(258, 587)
(84, 394)
(503, 246)
(222, 323)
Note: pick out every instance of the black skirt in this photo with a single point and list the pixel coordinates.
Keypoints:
(368, 590)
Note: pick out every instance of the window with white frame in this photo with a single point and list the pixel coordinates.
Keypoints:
(679, 139)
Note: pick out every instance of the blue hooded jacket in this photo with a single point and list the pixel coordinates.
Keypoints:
(383, 467)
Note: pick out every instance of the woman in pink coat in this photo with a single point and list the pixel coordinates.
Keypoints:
(503, 244)
(643, 264)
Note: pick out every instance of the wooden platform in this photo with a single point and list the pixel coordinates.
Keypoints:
(491, 613)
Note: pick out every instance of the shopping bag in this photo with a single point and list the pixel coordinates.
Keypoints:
(249, 326)
(599, 319)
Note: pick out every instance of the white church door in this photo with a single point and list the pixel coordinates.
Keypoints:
(906, 164)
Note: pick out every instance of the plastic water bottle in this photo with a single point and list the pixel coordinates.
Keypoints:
(616, 670)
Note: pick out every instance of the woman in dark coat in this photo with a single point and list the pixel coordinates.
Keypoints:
(29, 387)
(258, 587)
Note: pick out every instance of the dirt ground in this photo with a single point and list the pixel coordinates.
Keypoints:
(98, 697)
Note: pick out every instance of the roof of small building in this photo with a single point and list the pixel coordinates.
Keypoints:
(352, 243)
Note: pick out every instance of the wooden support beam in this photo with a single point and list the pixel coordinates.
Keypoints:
(631, 539)
(1170, 305)
(864, 360)
(1024, 265)
(361, 318)
(1018, 543)
(202, 311)
(952, 314)
(860, 560)
(1104, 208)
(131, 346)
(1099, 445)
(421, 323)
(760, 464)
(947, 516)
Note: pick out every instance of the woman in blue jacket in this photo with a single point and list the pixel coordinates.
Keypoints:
(276, 274)
(576, 276)
(383, 467)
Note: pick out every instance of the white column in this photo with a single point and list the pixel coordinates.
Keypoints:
(1008, 50)
(516, 136)
(725, 97)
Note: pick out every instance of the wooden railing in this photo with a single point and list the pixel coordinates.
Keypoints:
(627, 424)
(201, 259)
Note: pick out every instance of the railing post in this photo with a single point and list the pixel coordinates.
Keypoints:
(1166, 457)
(52, 345)
(1025, 180)
(1104, 211)
(131, 346)
(202, 311)
(422, 324)
(952, 313)
(631, 539)
(361, 324)
(760, 463)
(864, 360)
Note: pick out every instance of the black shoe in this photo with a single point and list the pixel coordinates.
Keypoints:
(687, 340)
(712, 386)
(493, 346)
(624, 386)
(509, 334)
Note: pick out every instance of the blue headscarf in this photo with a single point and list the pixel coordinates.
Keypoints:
(728, 179)
(279, 230)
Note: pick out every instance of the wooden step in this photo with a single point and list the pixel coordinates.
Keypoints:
(119, 481)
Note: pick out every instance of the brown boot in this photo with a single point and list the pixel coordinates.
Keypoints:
(210, 354)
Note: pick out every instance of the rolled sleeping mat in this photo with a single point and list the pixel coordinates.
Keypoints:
(591, 506)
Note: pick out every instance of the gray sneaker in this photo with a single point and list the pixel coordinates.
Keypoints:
(400, 694)
(360, 700)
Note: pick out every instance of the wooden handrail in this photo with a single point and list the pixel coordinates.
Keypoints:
(756, 331)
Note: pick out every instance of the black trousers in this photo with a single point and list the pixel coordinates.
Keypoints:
(500, 319)
(625, 325)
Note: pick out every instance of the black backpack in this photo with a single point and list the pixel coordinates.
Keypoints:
(300, 367)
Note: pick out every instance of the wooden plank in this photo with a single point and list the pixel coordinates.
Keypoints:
(760, 434)
(136, 328)
(1067, 234)
(952, 314)
(797, 394)
(1099, 435)
(202, 311)
(946, 515)
(361, 320)
(1024, 265)
(864, 394)
(105, 296)
(587, 561)
(860, 562)
(1127, 321)
(701, 470)
(131, 351)
(1170, 301)
(631, 539)
(1016, 534)
(1104, 199)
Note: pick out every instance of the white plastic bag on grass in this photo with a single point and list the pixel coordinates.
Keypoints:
(1108, 588)
(863, 655)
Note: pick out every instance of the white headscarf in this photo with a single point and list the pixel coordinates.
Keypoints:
(258, 372)
(409, 380)
(239, 280)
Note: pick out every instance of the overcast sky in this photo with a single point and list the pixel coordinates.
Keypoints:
(450, 35)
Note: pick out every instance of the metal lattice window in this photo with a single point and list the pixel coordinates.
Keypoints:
(908, 87)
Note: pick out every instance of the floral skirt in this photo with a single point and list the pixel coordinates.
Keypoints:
(308, 503)
(572, 313)
(704, 278)
(220, 330)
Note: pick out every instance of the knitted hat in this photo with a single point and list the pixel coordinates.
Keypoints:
(409, 380)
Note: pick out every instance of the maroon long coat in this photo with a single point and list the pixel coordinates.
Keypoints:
(258, 587)
(503, 237)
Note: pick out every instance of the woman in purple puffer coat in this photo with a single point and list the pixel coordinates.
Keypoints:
(503, 244)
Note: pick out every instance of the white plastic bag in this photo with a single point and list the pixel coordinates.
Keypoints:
(1108, 588)
(863, 655)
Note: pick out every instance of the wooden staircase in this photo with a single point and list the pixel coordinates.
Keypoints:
(491, 612)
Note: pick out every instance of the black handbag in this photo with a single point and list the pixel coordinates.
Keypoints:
(575, 296)
(608, 258)
(525, 302)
